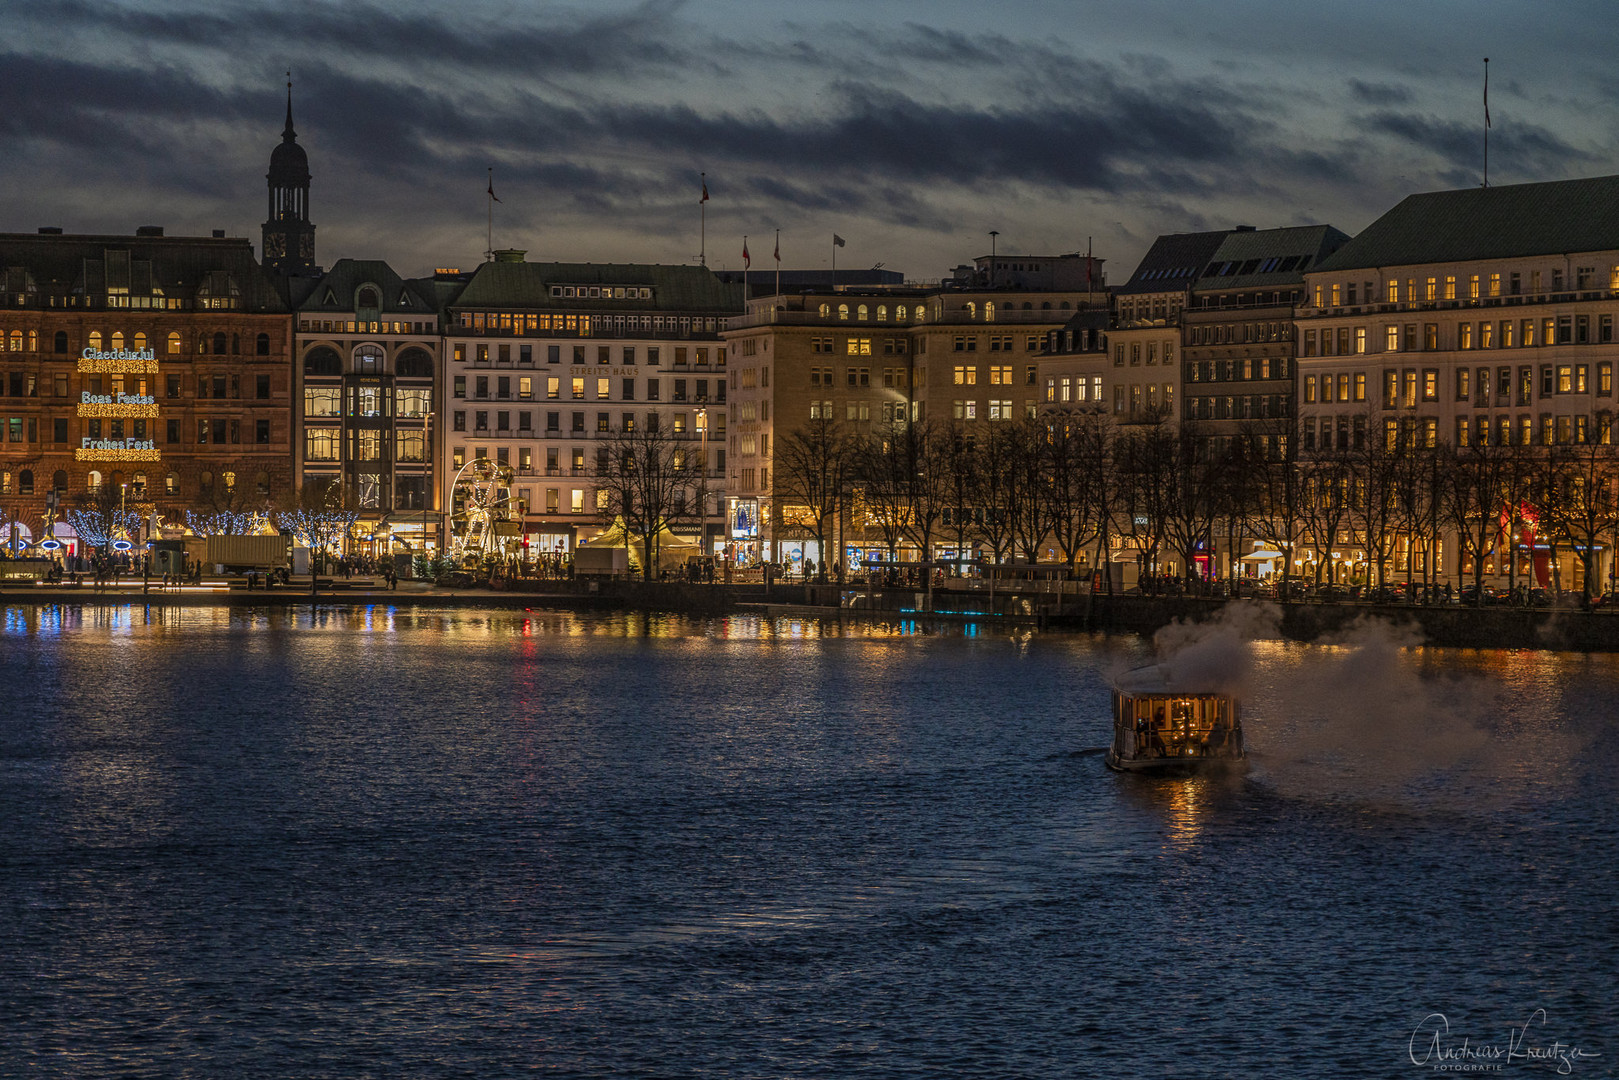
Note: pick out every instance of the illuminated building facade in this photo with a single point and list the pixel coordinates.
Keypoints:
(965, 352)
(157, 365)
(548, 363)
(367, 381)
(1481, 319)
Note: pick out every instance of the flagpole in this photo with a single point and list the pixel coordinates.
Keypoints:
(745, 261)
(1486, 121)
(489, 251)
(778, 262)
(702, 228)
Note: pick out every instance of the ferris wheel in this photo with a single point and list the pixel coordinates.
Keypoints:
(481, 496)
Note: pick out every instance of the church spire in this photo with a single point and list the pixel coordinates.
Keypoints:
(287, 134)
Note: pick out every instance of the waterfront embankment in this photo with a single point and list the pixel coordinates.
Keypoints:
(1447, 625)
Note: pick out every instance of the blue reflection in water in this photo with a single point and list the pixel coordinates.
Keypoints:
(309, 842)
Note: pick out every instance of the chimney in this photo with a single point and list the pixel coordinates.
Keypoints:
(219, 234)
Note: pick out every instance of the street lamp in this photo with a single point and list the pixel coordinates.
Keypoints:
(702, 482)
(429, 474)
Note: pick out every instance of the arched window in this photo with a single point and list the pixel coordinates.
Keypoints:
(899, 313)
(323, 361)
(1065, 305)
(236, 344)
(95, 339)
(92, 482)
(230, 480)
(368, 358)
(972, 310)
(882, 312)
(826, 311)
(137, 485)
(59, 481)
(261, 347)
(205, 482)
(989, 311)
(262, 483)
(140, 342)
(174, 344)
(860, 313)
(25, 482)
(414, 364)
(921, 314)
(367, 299)
(171, 483)
(16, 341)
(60, 344)
(1045, 305)
(33, 341)
(843, 312)
(117, 340)
(219, 344)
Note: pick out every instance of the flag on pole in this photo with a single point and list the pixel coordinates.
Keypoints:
(1486, 91)
(492, 194)
(705, 192)
(747, 260)
(778, 246)
(837, 240)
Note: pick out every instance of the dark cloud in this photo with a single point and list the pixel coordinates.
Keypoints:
(1526, 151)
(393, 34)
(600, 118)
(1379, 93)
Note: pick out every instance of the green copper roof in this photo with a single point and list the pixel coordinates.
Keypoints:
(1518, 220)
(529, 285)
(1268, 258)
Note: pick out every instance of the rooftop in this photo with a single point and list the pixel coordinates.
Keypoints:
(1512, 221)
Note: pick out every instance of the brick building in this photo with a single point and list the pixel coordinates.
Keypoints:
(155, 364)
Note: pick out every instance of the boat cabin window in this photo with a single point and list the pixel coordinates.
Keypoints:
(1174, 726)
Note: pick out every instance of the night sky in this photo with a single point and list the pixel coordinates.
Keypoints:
(912, 129)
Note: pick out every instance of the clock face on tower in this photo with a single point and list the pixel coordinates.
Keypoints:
(306, 246)
(275, 246)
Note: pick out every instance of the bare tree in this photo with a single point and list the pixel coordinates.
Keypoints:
(996, 456)
(1144, 458)
(884, 474)
(960, 465)
(1077, 478)
(1328, 499)
(101, 516)
(931, 491)
(647, 487)
(1191, 494)
(1029, 494)
(1587, 508)
(1472, 495)
(227, 508)
(812, 470)
(320, 513)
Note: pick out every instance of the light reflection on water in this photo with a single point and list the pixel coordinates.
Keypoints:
(370, 838)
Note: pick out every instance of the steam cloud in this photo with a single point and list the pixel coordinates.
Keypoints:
(1355, 716)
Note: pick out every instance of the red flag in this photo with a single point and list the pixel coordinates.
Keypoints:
(705, 192)
(492, 194)
(747, 260)
(778, 249)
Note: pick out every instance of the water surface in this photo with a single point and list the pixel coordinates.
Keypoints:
(408, 842)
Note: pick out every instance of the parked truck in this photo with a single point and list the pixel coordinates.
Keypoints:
(239, 554)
